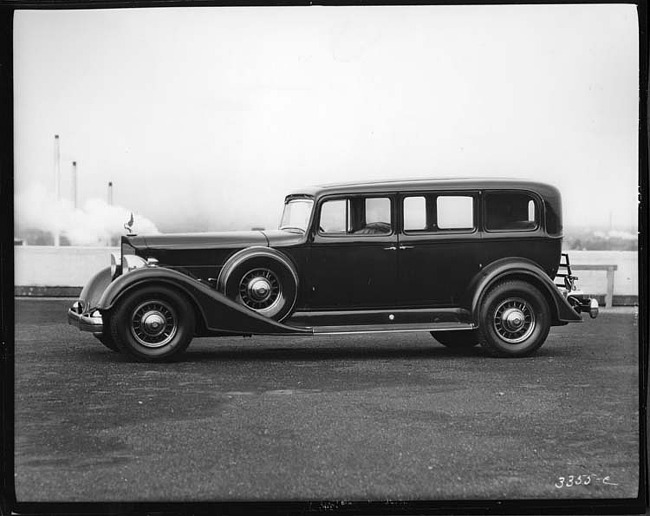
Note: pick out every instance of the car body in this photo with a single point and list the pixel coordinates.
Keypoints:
(473, 261)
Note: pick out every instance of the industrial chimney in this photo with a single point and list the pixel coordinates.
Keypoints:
(74, 183)
(57, 181)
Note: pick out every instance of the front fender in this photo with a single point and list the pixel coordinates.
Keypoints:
(526, 270)
(219, 313)
(94, 289)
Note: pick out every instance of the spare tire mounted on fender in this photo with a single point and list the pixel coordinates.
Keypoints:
(262, 280)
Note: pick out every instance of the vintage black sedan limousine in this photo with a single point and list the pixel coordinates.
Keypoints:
(473, 261)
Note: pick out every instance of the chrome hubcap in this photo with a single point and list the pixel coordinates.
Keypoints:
(154, 324)
(260, 289)
(514, 320)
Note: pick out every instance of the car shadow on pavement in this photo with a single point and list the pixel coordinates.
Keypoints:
(310, 353)
(311, 349)
(255, 353)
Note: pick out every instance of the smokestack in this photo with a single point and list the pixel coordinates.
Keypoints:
(74, 183)
(57, 181)
(110, 203)
(57, 167)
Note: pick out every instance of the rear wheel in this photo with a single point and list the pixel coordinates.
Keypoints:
(457, 340)
(514, 320)
(153, 324)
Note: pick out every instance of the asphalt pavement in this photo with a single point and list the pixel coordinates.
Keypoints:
(368, 417)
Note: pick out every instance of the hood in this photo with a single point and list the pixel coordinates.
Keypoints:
(216, 240)
(282, 238)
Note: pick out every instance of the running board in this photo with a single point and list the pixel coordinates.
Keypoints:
(404, 318)
(391, 328)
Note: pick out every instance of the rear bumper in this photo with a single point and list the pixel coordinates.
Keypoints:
(85, 322)
(578, 300)
(583, 304)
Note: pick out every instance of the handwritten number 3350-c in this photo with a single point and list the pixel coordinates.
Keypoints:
(580, 480)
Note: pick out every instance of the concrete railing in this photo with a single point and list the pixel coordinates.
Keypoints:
(611, 269)
(620, 282)
(57, 271)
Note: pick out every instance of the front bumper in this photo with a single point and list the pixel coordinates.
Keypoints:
(85, 321)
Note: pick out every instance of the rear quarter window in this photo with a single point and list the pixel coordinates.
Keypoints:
(511, 211)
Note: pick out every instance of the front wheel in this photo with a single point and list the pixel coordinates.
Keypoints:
(514, 320)
(107, 341)
(153, 324)
(105, 337)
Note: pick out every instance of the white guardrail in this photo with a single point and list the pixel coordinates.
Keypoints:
(49, 266)
(40, 268)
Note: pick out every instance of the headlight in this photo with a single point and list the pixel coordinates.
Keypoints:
(116, 265)
(131, 262)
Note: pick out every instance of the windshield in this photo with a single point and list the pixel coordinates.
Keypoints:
(296, 214)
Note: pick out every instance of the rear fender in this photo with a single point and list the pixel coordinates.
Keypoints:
(219, 313)
(525, 270)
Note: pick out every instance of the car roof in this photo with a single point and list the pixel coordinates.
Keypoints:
(422, 185)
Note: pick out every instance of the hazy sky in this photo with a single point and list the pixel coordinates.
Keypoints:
(203, 118)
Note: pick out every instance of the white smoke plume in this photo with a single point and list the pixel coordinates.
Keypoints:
(95, 224)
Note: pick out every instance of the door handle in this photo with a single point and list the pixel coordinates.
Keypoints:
(391, 248)
(406, 247)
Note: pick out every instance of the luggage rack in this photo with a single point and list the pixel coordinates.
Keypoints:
(564, 272)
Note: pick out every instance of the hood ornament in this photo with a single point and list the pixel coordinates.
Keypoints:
(129, 226)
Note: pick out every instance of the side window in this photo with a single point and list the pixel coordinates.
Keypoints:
(455, 212)
(335, 216)
(415, 213)
(510, 211)
(377, 215)
(356, 215)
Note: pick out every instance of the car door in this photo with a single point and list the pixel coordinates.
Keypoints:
(439, 247)
(353, 254)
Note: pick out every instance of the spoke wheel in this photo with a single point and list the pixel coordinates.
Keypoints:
(153, 323)
(264, 285)
(514, 320)
(260, 289)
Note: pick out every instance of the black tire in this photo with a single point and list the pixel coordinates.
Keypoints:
(264, 285)
(457, 340)
(153, 324)
(514, 320)
(105, 337)
(107, 341)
